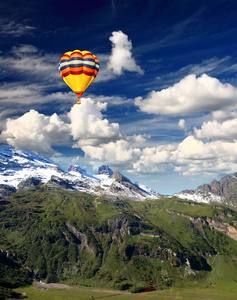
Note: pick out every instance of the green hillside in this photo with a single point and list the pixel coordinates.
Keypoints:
(77, 239)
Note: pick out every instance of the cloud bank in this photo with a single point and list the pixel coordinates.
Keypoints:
(83, 125)
(190, 96)
(102, 142)
(35, 132)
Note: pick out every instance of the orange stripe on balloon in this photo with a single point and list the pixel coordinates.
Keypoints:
(76, 72)
(88, 69)
(88, 73)
(65, 73)
(76, 54)
(88, 55)
(65, 57)
(77, 69)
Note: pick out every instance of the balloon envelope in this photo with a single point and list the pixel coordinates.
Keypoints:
(78, 69)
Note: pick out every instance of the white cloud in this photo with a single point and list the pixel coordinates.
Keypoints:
(112, 153)
(36, 132)
(193, 149)
(181, 123)
(16, 99)
(189, 157)
(194, 157)
(222, 115)
(215, 130)
(30, 61)
(24, 49)
(102, 142)
(12, 28)
(89, 127)
(154, 159)
(84, 124)
(121, 58)
(191, 95)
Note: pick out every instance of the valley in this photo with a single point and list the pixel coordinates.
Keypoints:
(77, 239)
(103, 232)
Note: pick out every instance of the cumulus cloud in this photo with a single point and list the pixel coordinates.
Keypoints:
(190, 157)
(121, 57)
(215, 130)
(222, 115)
(36, 132)
(194, 157)
(88, 126)
(83, 126)
(102, 142)
(113, 153)
(153, 159)
(191, 95)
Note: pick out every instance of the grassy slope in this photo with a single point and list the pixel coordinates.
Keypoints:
(33, 226)
(201, 292)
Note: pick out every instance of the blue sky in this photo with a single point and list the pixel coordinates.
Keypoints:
(163, 107)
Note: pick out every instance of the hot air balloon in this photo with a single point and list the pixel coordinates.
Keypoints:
(78, 69)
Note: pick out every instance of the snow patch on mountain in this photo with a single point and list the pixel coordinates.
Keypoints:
(20, 169)
(17, 165)
(148, 189)
(199, 196)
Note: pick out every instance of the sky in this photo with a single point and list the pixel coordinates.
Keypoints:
(163, 107)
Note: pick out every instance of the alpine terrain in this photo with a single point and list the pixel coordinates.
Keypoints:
(223, 192)
(104, 231)
(20, 169)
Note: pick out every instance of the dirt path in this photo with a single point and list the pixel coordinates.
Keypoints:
(65, 286)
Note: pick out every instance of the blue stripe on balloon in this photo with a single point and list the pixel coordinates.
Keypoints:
(75, 58)
(64, 67)
(89, 66)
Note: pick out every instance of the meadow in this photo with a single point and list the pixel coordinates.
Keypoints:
(224, 290)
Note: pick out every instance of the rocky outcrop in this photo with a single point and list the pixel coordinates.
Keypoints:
(226, 187)
(119, 177)
(120, 224)
(29, 182)
(224, 227)
(57, 182)
(81, 237)
(6, 190)
(134, 188)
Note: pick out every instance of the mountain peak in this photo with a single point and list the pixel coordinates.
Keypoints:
(76, 168)
(119, 177)
(105, 170)
(20, 170)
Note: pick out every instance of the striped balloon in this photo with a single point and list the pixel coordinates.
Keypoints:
(78, 69)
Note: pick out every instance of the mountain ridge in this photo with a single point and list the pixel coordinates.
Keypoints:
(80, 239)
(223, 191)
(53, 230)
(20, 169)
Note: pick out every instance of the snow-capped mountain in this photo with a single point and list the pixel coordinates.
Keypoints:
(20, 169)
(223, 191)
(199, 196)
